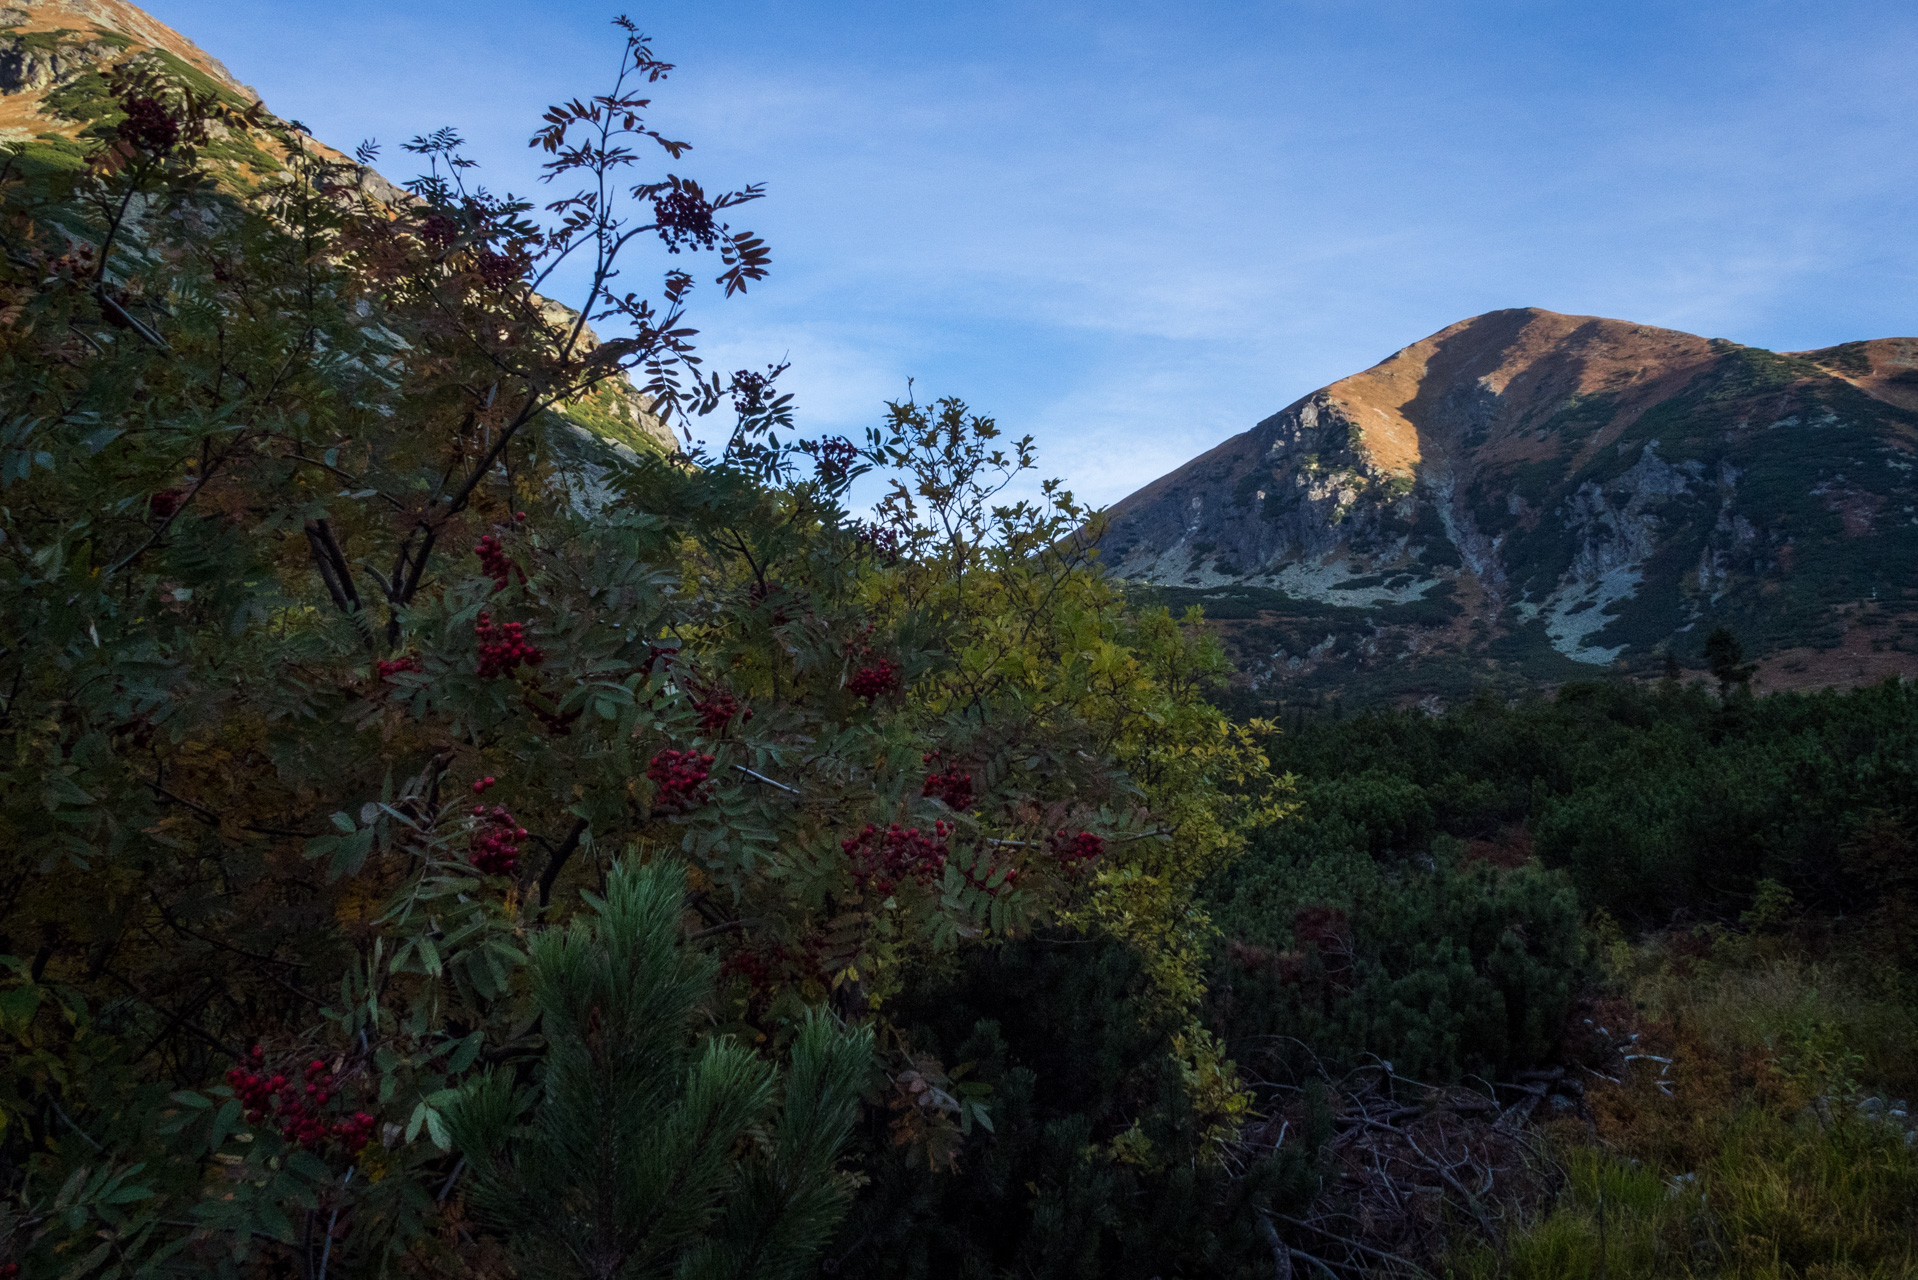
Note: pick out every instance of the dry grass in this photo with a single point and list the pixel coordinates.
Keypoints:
(1747, 1158)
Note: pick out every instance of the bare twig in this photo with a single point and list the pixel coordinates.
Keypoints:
(760, 777)
(326, 1254)
(71, 1124)
(1362, 1248)
(1281, 1254)
(1472, 1204)
(726, 927)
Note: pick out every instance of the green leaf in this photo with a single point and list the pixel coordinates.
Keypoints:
(70, 1188)
(225, 1121)
(18, 1005)
(87, 1263)
(468, 1050)
(273, 1222)
(308, 1165)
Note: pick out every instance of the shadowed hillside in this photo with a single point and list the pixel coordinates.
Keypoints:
(55, 101)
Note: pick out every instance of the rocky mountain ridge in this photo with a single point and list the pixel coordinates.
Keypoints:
(1530, 496)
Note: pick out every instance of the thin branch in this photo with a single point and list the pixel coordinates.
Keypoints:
(727, 927)
(1362, 1248)
(326, 1255)
(348, 478)
(760, 777)
(329, 573)
(558, 860)
(61, 1112)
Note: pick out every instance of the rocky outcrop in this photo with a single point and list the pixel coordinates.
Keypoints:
(1577, 492)
(26, 67)
(90, 31)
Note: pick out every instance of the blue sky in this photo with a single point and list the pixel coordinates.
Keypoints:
(1133, 230)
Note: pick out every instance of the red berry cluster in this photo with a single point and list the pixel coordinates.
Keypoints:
(438, 230)
(354, 1132)
(878, 541)
(494, 848)
(884, 858)
(717, 709)
(164, 503)
(680, 779)
(764, 969)
(760, 592)
(498, 270)
(1074, 850)
(76, 266)
(749, 391)
(295, 1104)
(495, 563)
(983, 881)
(148, 126)
(8, 1270)
(954, 787)
(834, 457)
(393, 666)
(503, 648)
(683, 218)
(874, 681)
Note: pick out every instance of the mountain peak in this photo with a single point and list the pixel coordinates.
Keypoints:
(1530, 492)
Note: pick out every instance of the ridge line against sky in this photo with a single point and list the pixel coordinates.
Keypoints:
(1133, 230)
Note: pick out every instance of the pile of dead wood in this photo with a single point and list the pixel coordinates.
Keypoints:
(1411, 1166)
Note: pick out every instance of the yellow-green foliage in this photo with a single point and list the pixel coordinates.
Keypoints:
(1039, 635)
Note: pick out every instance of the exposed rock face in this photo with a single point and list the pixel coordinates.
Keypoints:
(1526, 492)
(24, 67)
(46, 45)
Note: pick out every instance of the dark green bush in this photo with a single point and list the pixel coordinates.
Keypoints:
(1091, 1166)
(1656, 804)
(1442, 973)
(1659, 802)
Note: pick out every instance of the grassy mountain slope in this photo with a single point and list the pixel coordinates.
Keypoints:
(53, 56)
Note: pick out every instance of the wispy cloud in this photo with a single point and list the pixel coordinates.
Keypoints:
(1134, 231)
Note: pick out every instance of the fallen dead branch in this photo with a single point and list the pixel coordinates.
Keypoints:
(1411, 1166)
